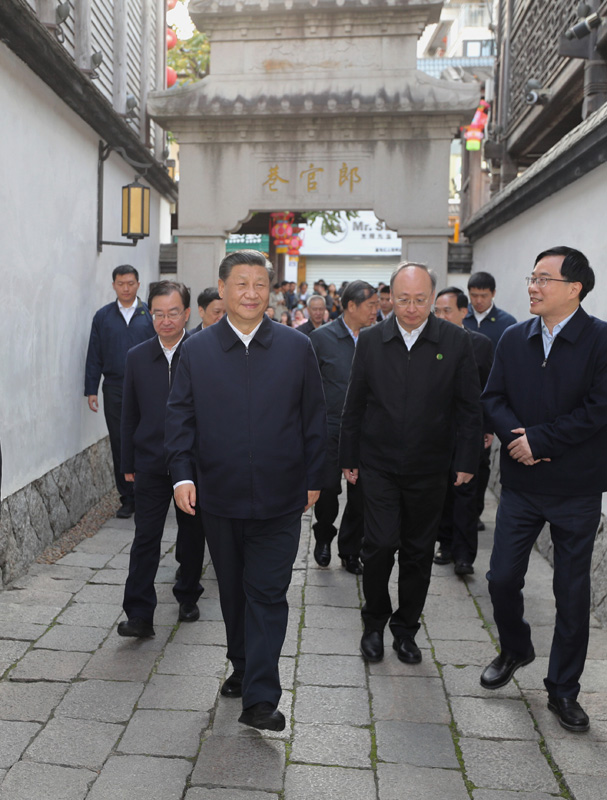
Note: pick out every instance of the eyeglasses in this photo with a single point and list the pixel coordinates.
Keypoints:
(542, 282)
(418, 302)
(172, 315)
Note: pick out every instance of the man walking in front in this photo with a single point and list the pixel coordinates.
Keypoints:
(334, 345)
(257, 443)
(150, 371)
(412, 401)
(116, 328)
(547, 400)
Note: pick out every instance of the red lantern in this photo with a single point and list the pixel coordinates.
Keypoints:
(296, 242)
(171, 38)
(171, 4)
(281, 229)
(171, 77)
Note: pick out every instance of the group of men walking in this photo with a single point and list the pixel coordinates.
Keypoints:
(240, 433)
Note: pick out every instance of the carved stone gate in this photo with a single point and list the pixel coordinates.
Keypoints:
(312, 104)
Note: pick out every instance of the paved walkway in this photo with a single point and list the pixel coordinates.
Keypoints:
(86, 714)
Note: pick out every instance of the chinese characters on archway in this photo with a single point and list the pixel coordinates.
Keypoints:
(313, 178)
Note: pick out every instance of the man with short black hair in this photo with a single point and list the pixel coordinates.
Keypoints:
(385, 303)
(547, 400)
(334, 345)
(458, 530)
(317, 308)
(149, 374)
(257, 443)
(116, 328)
(210, 307)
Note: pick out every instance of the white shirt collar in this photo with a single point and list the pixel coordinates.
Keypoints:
(410, 338)
(245, 338)
(127, 311)
(481, 316)
(170, 351)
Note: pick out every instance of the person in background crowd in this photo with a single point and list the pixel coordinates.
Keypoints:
(485, 317)
(412, 400)
(258, 442)
(288, 290)
(270, 312)
(304, 295)
(277, 301)
(334, 345)
(385, 303)
(149, 374)
(333, 302)
(316, 314)
(298, 318)
(116, 328)
(285, 319)
(458, 530)
(547, 400)
(210, 308)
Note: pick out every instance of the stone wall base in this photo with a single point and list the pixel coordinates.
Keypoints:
(36, 515)
(598, 569)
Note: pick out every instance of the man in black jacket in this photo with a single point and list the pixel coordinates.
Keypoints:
(150, 371)
(210, 308)
(458, 530)
(257, 443)
(412, 401)
(334, 345)
(116, 328)
(547, 400)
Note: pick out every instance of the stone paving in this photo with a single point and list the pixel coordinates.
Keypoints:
(86, 714)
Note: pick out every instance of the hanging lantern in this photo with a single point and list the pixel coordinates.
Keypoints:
(171, 38)
(474, 133)
(281, 229)
(296, 242)
(171, 77)
(135, 210)
(171, 4)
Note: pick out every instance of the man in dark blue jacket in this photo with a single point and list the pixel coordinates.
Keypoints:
(257, 442)
(149, 374)
(334, 345)
(547, 400)
(116, 328)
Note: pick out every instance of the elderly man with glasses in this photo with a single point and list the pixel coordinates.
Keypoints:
(149, 374)
(412, 405)
(547, 400)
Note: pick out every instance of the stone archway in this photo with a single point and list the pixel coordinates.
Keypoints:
(312, 104)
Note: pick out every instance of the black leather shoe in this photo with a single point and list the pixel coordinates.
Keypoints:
(406, 650)
(263, 716)
(188, 612)
(136, 627)
(352, 564)
(501, 669)
(443, 556)
(372, 646)
(125, 511)
(322, 554)
(570, 713)
(462, 568)
(480, 525)
(232, 686)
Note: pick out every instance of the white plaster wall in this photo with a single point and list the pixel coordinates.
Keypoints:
(575, 216)
(52, 277)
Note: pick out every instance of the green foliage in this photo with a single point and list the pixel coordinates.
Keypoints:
(331, 220)
(190, 58)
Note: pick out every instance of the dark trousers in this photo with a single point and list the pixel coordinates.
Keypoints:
(574, 522)
(153, 495)
(458, 529)
(402, 513)
(253, 560)
(326, 509)
(482, 479)
(112, 409)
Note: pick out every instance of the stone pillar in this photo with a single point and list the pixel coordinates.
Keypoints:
(429, 250)
(198, 259)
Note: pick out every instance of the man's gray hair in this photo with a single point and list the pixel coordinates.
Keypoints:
(405, 264)
(251, 257)
(317, 297)
(357, 292)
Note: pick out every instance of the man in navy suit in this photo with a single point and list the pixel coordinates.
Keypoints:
(150, 371)
(547, 400)
(257, 443)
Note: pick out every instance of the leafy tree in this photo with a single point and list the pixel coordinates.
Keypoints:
(190, 58)
(331, 221)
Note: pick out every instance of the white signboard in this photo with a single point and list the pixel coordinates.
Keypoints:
(364, 235)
